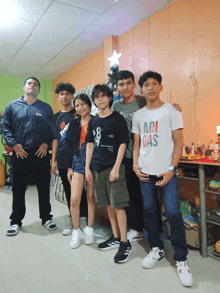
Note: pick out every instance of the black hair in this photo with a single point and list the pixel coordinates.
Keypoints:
(104, 89)
(84, 98)
(65, 87)
(149, 74)
(34, 78)
(124, 74)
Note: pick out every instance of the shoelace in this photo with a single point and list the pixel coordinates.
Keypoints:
(182, 263)
(124, 249)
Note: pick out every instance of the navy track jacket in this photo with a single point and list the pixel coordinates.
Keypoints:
(28, 125)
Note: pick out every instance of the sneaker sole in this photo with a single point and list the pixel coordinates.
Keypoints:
(136, 239)
(126, 259)
(109, 247)
(67, 234)
(74, 247)
(50, 229)
(89, 242)
(12, 234)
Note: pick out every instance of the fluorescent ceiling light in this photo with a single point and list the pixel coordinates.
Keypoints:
(8, 13)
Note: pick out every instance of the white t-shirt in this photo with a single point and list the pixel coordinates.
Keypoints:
(155, 129)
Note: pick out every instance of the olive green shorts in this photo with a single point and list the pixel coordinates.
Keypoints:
(110, 193)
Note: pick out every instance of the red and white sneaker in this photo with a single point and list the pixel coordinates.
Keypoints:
(152, 258)
(184, 273)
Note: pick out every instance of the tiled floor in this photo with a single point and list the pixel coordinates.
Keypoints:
(39, 261)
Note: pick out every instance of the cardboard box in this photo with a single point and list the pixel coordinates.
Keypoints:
(192, 236)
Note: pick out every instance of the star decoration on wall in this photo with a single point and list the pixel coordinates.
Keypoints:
(218, 129)
(114, 59)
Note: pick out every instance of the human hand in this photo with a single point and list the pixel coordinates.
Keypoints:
(42, 151)
(114, 175)
(54, 168)
(143, 177)
(88, 175)
(167, 176)
(19, 151)
(177, 107)
(70, 174)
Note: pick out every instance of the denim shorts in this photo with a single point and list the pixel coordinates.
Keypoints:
(79, 158)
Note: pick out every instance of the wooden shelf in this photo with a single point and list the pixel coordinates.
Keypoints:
(190, 178)
(213, 222)
(210, 191)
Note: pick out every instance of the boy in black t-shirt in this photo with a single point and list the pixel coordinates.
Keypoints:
(107, 139)
(61, 153)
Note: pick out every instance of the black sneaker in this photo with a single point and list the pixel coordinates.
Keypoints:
(123, 253)
(112, 242)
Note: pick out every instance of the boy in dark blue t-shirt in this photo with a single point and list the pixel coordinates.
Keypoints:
(107, 139)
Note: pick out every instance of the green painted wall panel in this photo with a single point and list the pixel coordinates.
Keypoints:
(11, 89)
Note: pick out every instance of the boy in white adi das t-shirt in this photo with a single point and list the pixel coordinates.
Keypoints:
(157, 148)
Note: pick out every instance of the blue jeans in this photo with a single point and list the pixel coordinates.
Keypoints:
(173, 214)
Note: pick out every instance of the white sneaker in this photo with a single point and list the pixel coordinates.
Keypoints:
(50, 225)
(134, 235)
(184, 273)
(13, 230)
(76, 237)
(82, 222)
(89, 235)
(69, 229)
(153, 256)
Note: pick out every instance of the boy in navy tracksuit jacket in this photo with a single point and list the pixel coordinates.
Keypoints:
(28, 128)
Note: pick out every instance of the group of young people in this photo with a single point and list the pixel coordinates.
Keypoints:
(124, 153)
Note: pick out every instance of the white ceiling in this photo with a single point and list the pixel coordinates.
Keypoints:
(48, 37)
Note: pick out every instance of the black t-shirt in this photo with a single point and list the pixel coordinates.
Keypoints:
(63, 120)
(107, 134)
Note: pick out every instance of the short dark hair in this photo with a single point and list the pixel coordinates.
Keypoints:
(149, 74)
(84, 98)
(34, 78)
(65, 87)
(124, 74)
(104, 89)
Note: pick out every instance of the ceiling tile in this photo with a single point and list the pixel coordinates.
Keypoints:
(123, 15)
(7, 52)
(93, 5)
(17, 33)
(36, 52)
(31, 10)
(67, 60)
(82, 44)
(61, 24)
(33, 55)
(21, 71)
